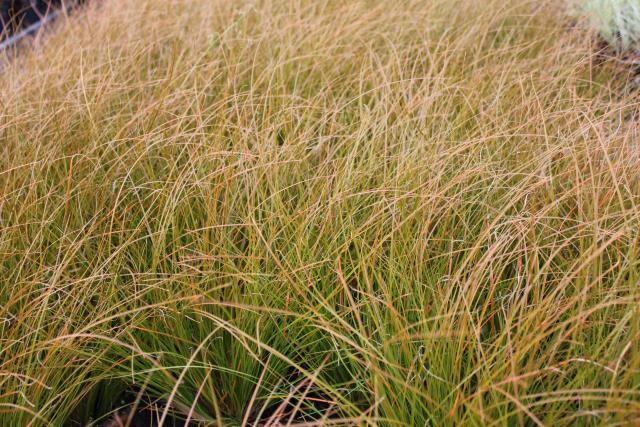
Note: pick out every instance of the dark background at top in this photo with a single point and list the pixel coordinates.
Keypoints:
(19, 14)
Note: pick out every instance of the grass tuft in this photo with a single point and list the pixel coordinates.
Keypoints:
(283, 212)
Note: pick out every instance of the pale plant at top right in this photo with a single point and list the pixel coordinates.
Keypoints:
(617, 21)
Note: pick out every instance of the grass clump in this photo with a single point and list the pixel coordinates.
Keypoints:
(287, 212)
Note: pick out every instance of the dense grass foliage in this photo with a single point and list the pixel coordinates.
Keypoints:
(263, 212)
